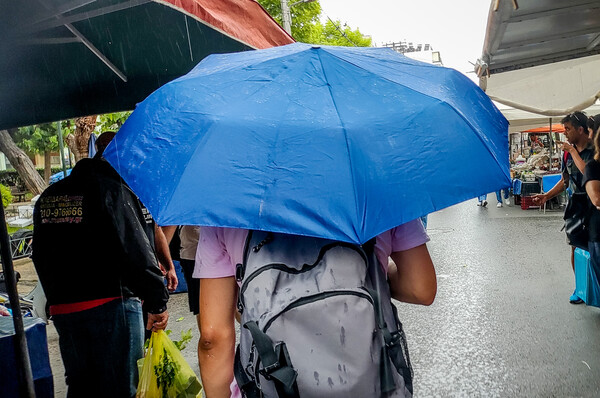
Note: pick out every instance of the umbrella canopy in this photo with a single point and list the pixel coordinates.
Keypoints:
(335, 142)
(67, 58)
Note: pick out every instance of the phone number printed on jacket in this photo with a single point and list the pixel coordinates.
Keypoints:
(61, 209)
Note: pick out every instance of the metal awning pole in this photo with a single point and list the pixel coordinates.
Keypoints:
(522, 144)
(551, 143)
(61, 148)
(26, 388)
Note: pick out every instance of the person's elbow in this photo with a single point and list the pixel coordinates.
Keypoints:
(425, 295)
(419, 292)
(427, 298)
(595, 199)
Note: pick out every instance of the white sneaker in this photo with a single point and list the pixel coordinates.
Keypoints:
(507, 201)
(479, 203)
(499, 204)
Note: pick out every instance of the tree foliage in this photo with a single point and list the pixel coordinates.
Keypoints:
(110, 121)
(335, 33)
(307, 26)
(39, 138)
(7, 197)
(305, 18)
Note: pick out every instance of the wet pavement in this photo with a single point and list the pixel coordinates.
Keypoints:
(501, 325)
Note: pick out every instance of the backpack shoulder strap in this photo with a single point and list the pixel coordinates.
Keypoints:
(247, 386)
(275, 362)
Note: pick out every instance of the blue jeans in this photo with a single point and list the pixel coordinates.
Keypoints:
(100, 348)
(499, 194)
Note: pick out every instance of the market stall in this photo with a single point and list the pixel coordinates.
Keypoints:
(535, 157)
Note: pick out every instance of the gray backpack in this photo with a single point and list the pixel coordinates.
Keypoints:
(317, 321)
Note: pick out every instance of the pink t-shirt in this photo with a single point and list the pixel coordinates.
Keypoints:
(220, 249)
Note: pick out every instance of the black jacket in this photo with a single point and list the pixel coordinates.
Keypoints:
(91, 240)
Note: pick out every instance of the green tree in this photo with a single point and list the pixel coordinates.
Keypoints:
(21, 162)
(307, 26)
(305, 18)
(335, 33)
(41, 138)
(6, 196)
(111, 121)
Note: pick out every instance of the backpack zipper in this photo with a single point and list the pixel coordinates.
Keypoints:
(290, 270)
(316, 297)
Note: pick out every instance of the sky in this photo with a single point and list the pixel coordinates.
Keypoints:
(456, 28)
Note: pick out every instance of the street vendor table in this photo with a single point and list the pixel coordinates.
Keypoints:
(37, 344)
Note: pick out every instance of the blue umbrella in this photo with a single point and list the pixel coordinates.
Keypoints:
(335, 142)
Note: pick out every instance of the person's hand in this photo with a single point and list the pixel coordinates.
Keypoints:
(157, 321)
(172, 281)
(539, 199)
(171, 276)
(567, 147)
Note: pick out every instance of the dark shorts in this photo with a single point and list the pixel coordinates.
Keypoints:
(193, 285)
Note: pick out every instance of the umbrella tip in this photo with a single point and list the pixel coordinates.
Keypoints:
(316, 47)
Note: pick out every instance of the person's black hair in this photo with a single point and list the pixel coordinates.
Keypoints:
(577, 119)
(103, 140)
(593, 124)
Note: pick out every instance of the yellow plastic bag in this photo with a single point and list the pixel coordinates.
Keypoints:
(165, 373)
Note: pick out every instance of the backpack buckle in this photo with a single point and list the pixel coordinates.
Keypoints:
(239, 272)
(266, 371)
(394, 341)
(283, 360)
(240, 306)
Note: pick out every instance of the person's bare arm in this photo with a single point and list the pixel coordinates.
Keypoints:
(164, 258)
(217, 335)
(169, 231)
(412, 276)
(542, 198)
(592, 187)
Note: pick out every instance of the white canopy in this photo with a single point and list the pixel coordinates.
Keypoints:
(542, 56)
(521, 120)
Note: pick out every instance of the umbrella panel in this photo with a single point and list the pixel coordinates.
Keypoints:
(309, 144)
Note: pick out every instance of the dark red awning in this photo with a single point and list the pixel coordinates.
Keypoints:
(243, 20)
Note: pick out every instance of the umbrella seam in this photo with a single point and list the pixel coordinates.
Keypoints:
(347, 145)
